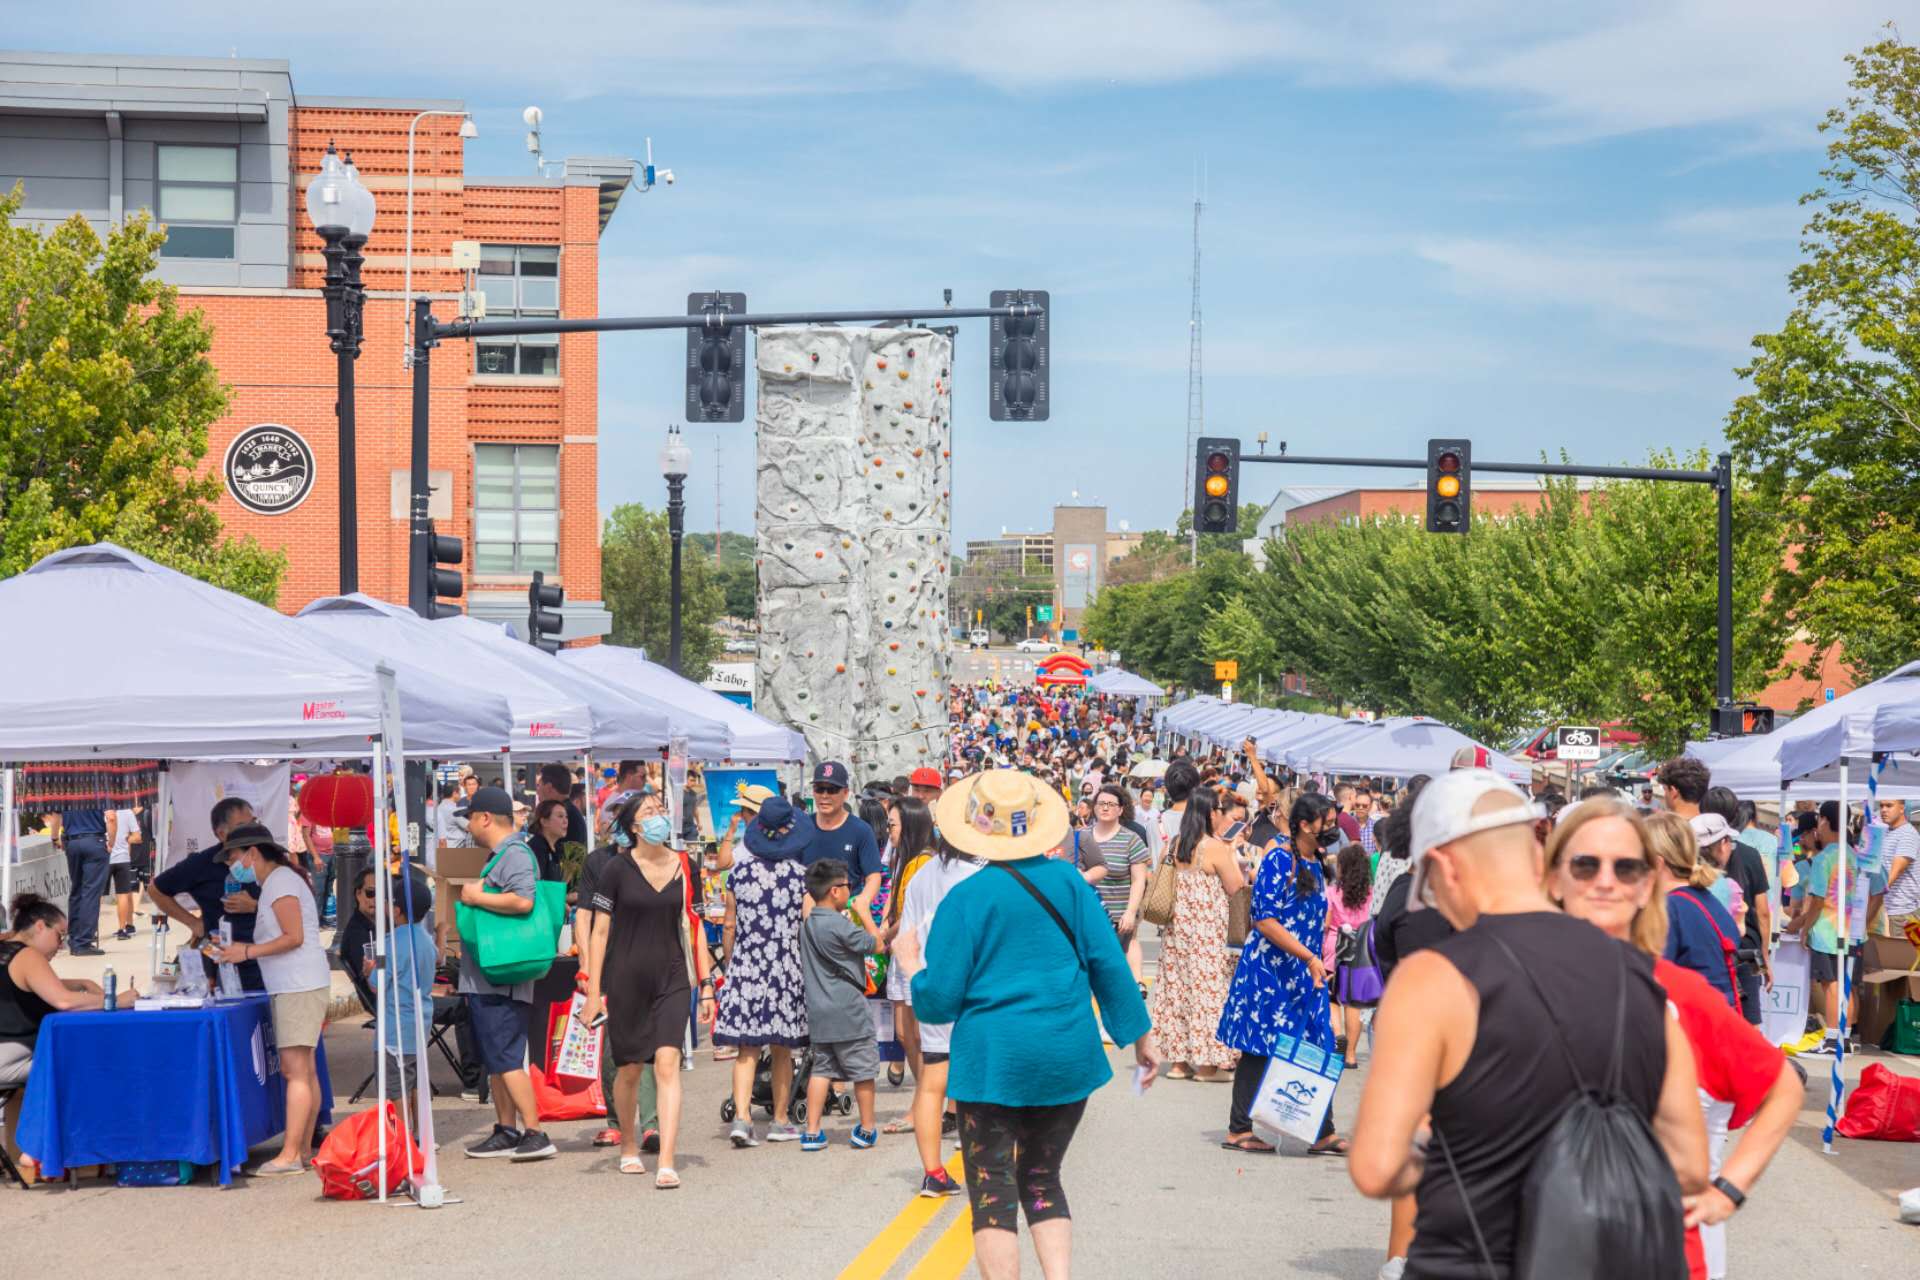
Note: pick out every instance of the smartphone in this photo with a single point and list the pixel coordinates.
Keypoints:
(1232, 833)
(600, 1020)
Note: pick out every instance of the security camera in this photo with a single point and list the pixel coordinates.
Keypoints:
(532, 116)
(666, 176)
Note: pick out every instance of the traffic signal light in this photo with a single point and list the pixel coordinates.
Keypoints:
(716, 359)
(1216, 486)
(442, 549)
(1741, 720)
(1018, 366)
(1449, 485)
(543, 623)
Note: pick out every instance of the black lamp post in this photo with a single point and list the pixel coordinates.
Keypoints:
(342, 211)
(675, 459)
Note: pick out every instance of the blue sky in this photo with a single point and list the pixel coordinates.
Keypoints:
(1543, 227)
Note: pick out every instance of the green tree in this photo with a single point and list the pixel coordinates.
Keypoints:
(1233, 632)
(635, 557)
(106, 395)
(1251, 513)
(1830, 430)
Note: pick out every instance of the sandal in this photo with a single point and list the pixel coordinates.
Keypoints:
(900, 1124)
(666, 1180)
(1351, 1064)
(1249, 1144)
(1335, 1146)
(275, 1169)
(1178, 1073)
(632, 1164)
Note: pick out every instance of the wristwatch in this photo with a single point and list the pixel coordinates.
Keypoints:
(1730, 1191)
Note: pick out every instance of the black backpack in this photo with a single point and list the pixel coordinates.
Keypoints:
(1600, 1198)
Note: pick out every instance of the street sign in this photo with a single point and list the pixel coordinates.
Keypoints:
(1043, 613)
(1226, 670)
(1828, 693)
(1577, 742)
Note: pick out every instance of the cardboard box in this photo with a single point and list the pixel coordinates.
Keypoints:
(454, 865)
(1887, 976)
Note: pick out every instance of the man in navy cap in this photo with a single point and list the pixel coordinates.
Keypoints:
(840, 833)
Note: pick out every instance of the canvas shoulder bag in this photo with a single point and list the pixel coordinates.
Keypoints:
(509, 950)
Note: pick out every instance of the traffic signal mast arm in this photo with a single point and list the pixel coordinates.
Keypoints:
(1727, 717)
(434, 330)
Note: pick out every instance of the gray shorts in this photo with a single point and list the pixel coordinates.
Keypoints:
(846, 1061)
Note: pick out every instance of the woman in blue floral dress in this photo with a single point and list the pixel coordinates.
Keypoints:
(764, 1001)
(1280, 984)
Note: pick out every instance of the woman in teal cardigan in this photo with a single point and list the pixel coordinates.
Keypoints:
(1014, 959)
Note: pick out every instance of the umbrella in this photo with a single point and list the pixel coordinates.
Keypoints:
(1148, 769)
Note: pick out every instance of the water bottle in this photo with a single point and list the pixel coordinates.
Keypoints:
(110, 990)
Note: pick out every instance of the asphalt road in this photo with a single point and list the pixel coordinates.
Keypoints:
(1152, 1194)
(973, 665)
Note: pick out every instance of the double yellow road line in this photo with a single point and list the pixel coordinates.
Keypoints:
(952, 1250)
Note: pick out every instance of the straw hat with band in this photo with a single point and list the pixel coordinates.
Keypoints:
(1001, 815)
(751, 796)
(778, 832)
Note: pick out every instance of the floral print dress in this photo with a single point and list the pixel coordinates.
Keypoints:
(1195, 969)
(764, 999)
(1272, 993)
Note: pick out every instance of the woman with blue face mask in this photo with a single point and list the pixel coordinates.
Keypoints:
(642, 967)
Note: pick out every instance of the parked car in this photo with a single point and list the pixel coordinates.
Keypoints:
(744, 644)
(1036, 646)
(978, 638)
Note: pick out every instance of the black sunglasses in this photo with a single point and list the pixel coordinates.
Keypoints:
(826, 789)
(1585, 866)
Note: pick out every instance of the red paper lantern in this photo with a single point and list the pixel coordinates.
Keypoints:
(338, 799)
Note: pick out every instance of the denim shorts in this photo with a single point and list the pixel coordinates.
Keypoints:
(499, 1031)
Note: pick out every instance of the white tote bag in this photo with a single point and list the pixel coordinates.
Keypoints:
(1297, 1088)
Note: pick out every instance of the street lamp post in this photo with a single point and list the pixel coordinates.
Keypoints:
(675, 459)
(342, 211)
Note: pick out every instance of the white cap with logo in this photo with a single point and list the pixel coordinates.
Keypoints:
(1444, 812)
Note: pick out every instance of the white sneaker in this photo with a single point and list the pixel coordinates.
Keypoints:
(1393, 1269)
(783, 1133)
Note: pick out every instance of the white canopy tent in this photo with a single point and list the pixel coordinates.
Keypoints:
(1293, 753)
(217, 677)
(1123, 684)
(548, 722)
(1231, 733)
(1402, 746)
(751, 738)
(624, 719)
(1273, 740)
(1175, 717)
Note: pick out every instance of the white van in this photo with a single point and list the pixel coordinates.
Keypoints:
(977, 638)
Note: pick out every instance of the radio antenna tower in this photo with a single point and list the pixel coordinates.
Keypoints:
(1196, 376)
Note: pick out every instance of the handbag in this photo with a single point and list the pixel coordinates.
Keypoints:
(1239, 916)
(509, 950)
(1163, 891)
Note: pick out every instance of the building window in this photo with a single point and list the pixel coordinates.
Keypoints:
(199, 198)
(520, 281)
(516, 500)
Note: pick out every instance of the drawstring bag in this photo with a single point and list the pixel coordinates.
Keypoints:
(1885, 1105)
(1357, 980)
(348, 1162)
(1600, 1198)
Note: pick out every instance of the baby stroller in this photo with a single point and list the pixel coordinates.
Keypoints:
(762, 1095)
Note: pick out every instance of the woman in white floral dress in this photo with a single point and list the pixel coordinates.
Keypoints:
(1196, 967)
(764, 1001)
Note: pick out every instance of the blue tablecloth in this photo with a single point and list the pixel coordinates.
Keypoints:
(171, 1084)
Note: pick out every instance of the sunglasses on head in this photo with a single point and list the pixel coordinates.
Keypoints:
(1585, 866)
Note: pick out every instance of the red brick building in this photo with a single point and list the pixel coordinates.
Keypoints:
(222, 151)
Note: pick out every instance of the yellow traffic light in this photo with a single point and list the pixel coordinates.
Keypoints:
(1448, 486)
(1217, 486)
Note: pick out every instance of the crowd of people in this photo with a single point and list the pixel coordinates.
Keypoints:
(1441, 930)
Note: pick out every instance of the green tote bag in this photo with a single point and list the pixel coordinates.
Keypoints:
(513, 949)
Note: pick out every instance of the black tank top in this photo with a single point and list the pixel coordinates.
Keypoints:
(1516, 1081)
(20, 1011)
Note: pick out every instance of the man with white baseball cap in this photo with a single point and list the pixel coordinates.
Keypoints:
(1465, 1039)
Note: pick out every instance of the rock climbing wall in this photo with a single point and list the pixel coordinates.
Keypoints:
(854, 462)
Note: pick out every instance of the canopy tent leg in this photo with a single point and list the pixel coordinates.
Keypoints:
(381, 931)
(8, 839)
(162, 826)
(1842, 892)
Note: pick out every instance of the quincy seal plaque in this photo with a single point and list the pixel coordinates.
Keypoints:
(269, 469)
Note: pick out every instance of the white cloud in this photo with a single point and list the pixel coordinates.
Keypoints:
(1674, 295)
(1584, 69)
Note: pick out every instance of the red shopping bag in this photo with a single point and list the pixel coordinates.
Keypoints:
(565, 1097)
(348, 1162)
(1884, 1105)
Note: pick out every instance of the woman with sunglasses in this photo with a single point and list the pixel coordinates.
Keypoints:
(1701, 934)
(1602, 868)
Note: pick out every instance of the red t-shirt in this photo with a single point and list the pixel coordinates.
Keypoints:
(1734, 1062)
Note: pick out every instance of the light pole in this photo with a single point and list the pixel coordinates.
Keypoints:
(342, 211)
(675, 459)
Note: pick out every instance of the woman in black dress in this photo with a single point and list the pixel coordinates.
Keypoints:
(641, 951)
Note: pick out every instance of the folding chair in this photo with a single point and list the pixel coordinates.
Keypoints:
(8, 1169)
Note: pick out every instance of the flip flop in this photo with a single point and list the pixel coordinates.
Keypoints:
(1177, 1073)
(274, 1169)
(901, 1124)
(632, 1164)
(1337, 1147)
(666, 1180)
(1252, 1146)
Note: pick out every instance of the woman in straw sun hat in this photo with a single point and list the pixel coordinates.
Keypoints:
(1014, 958)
